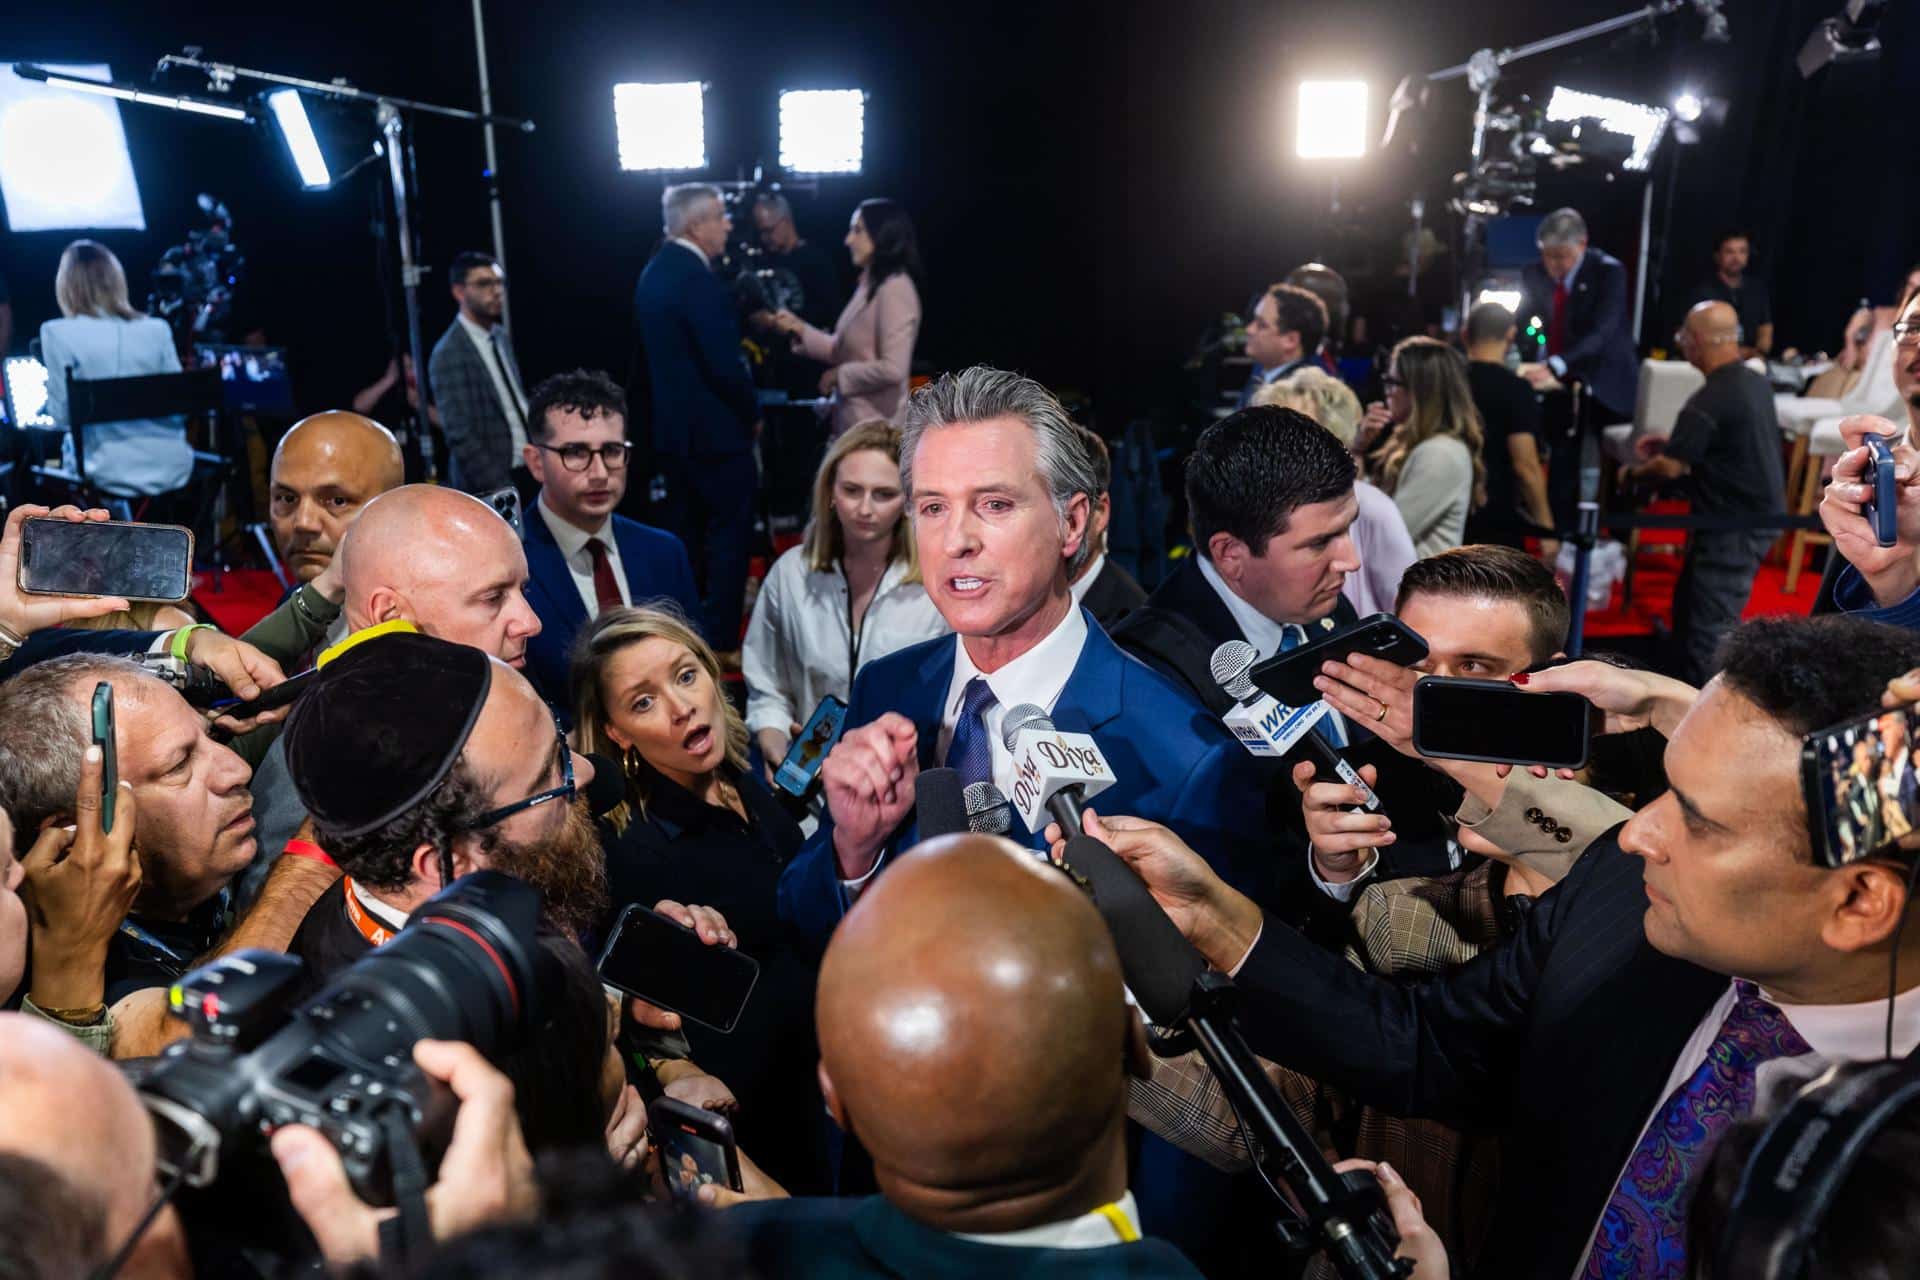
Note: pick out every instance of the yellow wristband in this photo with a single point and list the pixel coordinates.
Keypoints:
(178, 647)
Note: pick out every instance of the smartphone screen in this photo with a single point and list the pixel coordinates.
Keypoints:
(1492, 720)
(696, 1147)
(1288, 677)
(655, 959)
(1862, 793)
(106, 558)
(809, 751)
(103, 737)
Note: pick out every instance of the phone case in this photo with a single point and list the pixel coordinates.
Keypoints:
(797, 769)
(1288, 677)
(1507, 691)
(1881, 509)
(666, 1115)
(20, 577)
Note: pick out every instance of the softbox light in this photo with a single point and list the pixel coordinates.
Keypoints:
(64, 163)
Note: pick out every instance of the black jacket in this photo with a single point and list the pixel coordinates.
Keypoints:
(1561, 1039)
(1113, 595)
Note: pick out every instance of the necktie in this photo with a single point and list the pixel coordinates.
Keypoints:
(496, 337)
(1557, 327)
(1644, 1229)
(1329, 726)
(606, 588)
(970, 754)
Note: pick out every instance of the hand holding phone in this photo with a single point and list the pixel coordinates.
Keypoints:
(118, 559)
(24, 612)
(696, 1148)
(103, 738)
(1860, 785)
(1497, 723)
(666, 964)
(808, 750)
(1288, 677)
(1882, 507)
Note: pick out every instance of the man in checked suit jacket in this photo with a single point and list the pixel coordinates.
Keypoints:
(1614, 1006)
(475, 380)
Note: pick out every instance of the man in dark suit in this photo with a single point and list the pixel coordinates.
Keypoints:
(1284, 334)
(1101, 586)
(706, 413)
(994, 1152)
(476, 383)
(1685, 968)
(582, 557)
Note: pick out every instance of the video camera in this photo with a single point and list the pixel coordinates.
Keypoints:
(466, 967)
(756, 285)
(193, 283)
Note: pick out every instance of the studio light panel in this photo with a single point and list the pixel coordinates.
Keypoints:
(1332, 120)
(660, 126)
(1646, 125)
(64, 163)
(822, 130)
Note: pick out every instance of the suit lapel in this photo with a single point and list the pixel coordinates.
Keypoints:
(923, 701)
(548, 573)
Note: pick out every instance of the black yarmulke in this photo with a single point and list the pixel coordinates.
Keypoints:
(382, 726)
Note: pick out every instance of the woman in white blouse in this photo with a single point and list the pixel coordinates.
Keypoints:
(1431, 464)
(849, 593)
(870, 350)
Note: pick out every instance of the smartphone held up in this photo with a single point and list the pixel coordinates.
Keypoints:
(151, 562)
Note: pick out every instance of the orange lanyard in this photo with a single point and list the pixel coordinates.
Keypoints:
(372, 930)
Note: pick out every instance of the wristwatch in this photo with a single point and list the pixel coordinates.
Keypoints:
(10, 641)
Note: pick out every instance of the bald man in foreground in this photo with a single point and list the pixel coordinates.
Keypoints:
(1726, 447)
(82, 1159)
(325, 469)
(974, 1037)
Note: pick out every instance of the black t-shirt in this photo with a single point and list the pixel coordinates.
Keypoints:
(1729, 435)
(1750, 302)
(1508, 408)
(327, 939)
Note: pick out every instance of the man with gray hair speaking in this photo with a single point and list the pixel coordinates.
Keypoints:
(705, 410)
(1581, 295)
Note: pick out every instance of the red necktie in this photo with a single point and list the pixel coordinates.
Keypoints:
(1557, 327)
(605, 588)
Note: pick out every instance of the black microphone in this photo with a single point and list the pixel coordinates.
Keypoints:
(939, 808)
(1159, 964)
(608, 787)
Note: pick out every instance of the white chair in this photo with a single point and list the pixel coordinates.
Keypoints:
(1665, 386)
(1872, 392)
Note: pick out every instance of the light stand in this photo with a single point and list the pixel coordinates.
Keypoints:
(387, 110)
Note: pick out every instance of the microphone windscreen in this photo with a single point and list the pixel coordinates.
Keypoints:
(1159, 964)
(988, 812)
(608, 788)
(1230, 664)
(1021, 718)
(939, 808)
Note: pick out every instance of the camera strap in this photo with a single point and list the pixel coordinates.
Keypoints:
(407, 1237)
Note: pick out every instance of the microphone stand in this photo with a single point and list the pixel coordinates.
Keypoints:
(1342, 1213)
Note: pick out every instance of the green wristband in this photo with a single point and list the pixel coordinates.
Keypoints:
(178, 647)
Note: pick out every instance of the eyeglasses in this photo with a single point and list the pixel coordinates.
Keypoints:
(578, 457)
(565, 791)
(486, 282)
(1906, 332)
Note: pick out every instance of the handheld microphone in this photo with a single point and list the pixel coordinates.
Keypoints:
(1269, 730)
(608, 787)
(1159, 965)
(988, 813)
(1054, 773)
(938, 809)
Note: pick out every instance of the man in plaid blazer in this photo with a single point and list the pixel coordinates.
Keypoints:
(476, 384)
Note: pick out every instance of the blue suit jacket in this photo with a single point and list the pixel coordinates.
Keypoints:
(703, 396)
(656, 565)
(1599, 326)
(1172, 762)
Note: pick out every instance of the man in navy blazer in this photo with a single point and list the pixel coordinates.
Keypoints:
(581, 556)
(998, 477)
(705, 410)
(1592, 339)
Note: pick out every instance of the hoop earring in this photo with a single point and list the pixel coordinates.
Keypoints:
(630, 761)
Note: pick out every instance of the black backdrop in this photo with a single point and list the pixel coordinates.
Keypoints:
(1092, 182)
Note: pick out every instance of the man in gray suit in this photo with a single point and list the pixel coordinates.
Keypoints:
(476, 384)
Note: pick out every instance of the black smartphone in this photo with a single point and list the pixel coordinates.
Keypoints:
(1288, 677)
(696, 1147)
(806, 753)
(271, 699)
(106, 558)
(1881, 508)
(1861, 791)
(109, 759)
(1494, 721)
(666, 964)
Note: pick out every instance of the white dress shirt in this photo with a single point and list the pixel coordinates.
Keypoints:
(1554, 362)
(572, 541)
(1836, 1033)
(1095, 1230)
(801, 645)
(385, 912)
(506, 384)
(694, 249)
(1084, 583)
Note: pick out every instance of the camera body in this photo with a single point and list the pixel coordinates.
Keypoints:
(194, 283)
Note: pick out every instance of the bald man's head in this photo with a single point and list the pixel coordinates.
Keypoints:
(1712, 336)
(444, 561)
(325, 469)
(67, 1107)
(974, 1035)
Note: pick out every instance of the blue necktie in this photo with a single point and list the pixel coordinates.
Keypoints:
(970, 754)
(1330, 726)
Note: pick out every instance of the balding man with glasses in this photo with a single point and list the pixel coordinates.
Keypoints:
(582, 558)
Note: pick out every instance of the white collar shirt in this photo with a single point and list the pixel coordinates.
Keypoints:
(1036, 676)
(695, 250)
(572, 541)
(506, 383)
(1095, 1230)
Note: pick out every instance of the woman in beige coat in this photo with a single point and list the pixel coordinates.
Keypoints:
(870, 351)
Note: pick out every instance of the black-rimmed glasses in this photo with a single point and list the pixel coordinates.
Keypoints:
(565, 791)
(578, 457)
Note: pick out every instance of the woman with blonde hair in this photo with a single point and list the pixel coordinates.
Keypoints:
(699, 826)
(100, 335)
(1431, 463)
(1379, 533)
(849, 593)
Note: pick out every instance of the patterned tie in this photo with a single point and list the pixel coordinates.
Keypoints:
(1557, 326)
(1643, 1233)
(970, 754)
(1329, 726)
(606, 588)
